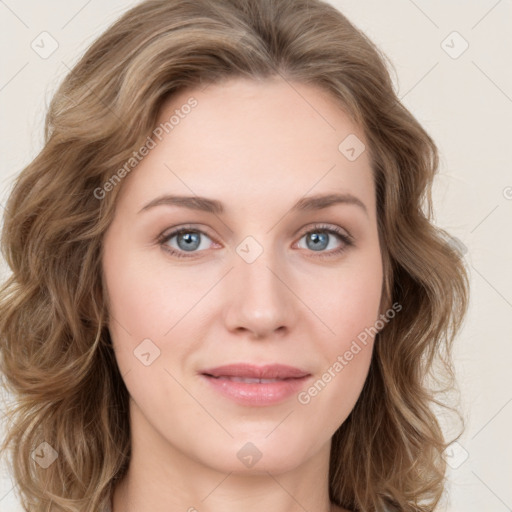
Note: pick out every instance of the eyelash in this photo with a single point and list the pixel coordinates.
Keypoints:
(348, 240)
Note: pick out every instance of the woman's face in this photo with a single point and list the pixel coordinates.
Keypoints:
(254, 279)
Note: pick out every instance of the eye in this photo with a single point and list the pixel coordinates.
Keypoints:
(187, 240)
(319, 237)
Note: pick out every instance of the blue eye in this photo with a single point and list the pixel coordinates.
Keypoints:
(188, 240)
(318, 240)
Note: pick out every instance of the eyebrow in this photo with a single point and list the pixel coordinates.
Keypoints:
(309, 203)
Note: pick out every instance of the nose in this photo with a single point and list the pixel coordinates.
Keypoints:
(259, 301)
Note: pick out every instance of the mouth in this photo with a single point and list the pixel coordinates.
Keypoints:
(249, 380)
(251, 371)
(256, 386)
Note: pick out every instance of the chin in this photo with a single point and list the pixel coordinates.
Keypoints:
(259, 454)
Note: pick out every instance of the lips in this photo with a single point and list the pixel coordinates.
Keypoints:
(250, 385)
(246, 372)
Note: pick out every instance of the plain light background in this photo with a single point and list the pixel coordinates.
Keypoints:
(462, 96)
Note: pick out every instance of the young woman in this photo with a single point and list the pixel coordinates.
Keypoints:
(227, 292)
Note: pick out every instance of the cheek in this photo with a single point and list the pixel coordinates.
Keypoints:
(350, 310)
(350, 299)
(142, 300)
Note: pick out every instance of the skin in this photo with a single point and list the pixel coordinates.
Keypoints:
(258, 147)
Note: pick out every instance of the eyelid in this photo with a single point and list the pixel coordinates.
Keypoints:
(323, 226)
(176, 230)
(173, 230)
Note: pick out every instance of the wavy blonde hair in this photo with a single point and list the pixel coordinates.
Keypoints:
(56, 353)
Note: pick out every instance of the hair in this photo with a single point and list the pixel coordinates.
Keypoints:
(56, 353)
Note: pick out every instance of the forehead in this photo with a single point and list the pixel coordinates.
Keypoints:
(253, 142)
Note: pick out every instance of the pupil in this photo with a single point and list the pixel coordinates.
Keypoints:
(189, 237)
(318, 240)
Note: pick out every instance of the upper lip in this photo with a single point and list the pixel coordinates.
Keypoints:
(269, 371)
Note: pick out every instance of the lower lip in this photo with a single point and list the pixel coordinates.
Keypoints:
(254, 394)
